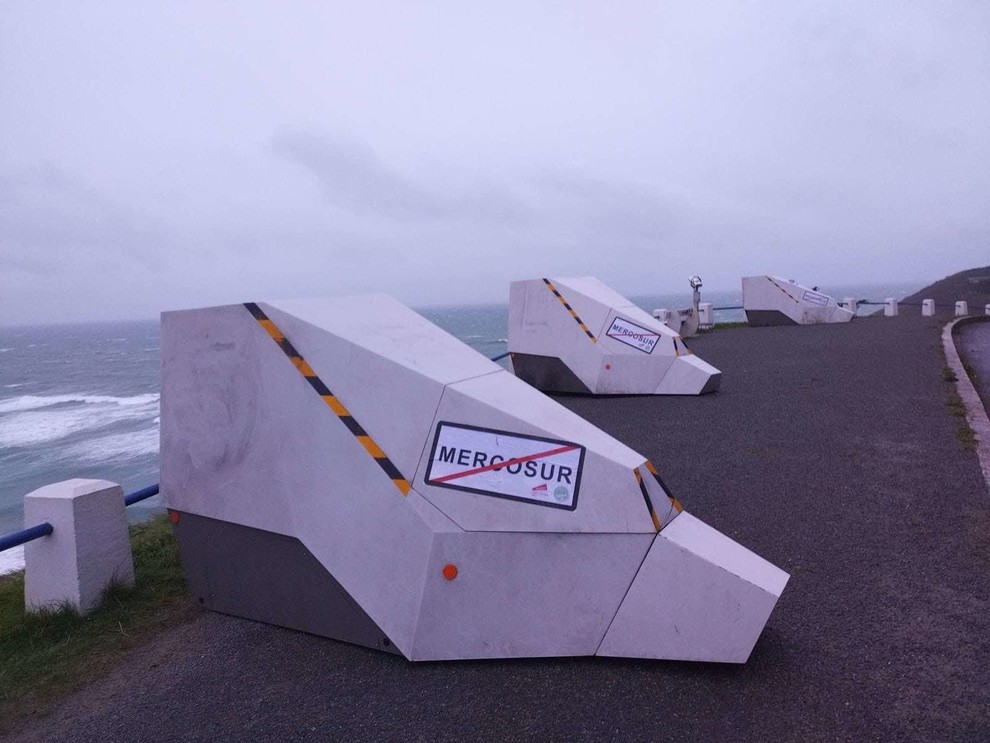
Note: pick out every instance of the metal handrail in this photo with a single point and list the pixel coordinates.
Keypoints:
(20, 537)
(140, 495)
(43, 530)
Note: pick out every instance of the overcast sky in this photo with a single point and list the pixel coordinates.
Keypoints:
(158, 156)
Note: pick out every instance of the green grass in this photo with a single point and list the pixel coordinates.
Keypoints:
(45, 654)
(729, 325)
(955, 405)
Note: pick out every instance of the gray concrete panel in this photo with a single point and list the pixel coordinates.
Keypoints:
(385, 363)
(237, 421)
(524, 595)
(610, 499)
(768, 318)
(699, 596)
(547, 373)
(270, 578)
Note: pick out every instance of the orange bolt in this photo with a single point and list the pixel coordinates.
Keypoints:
(450, 571)
(608, 366)
(173, 516)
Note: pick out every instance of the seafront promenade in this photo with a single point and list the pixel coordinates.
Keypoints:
(829, 450)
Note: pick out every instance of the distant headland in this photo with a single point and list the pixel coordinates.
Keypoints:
(972, 285)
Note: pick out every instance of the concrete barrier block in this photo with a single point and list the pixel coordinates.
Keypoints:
(962, 308)
(890, 307)
(706, 315)
(770, 300)
(579, 335)
(345, 467)
(88, 549)
(928, 308)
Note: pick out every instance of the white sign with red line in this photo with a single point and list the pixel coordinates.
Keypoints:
(506, 465)
(815, 298)
(633, 335)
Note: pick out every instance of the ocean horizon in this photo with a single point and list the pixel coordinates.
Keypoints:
(82, 400)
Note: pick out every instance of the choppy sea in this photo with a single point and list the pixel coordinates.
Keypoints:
(82, 400)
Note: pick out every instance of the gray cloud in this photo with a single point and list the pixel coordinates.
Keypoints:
(354, 178)
(203, 153)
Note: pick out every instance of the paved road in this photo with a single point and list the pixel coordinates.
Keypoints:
(973, 344)
(829, 451)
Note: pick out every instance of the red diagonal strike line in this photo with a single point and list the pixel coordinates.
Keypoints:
(657, 335)
(506, 463)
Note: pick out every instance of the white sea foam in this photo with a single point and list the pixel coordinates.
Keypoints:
(11, 386)
(31, 420)
(12, 560)
(116, 447)
(39, 402)
(4, 350)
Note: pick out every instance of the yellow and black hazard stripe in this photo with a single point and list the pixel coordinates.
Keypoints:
(793, 299)
(656, 476)
(567, 307)
(677, 351)
(332, 401)
(649, 501)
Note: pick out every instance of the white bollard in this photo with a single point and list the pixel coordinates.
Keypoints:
(928, 308)
(890, 309)
(962, 309)
(987, 309)
(706, 315)
(850, 304)
(87, 549)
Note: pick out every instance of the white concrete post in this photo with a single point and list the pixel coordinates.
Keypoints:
(850, 304)
(890, 309)
(962, 309)
(928, 307)
(87, 550)
(706, 314)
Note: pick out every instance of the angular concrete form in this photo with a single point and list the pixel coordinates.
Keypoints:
(346, 468)
(578, 335)
(769, 300)
(87, 550)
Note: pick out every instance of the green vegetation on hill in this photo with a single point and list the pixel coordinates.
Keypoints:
(972, 286)
(47, 653)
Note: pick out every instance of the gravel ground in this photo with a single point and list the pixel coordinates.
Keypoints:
(829, 450)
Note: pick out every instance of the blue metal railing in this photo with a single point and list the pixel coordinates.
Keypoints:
(43, 530)
(20, 537)
(140, 495)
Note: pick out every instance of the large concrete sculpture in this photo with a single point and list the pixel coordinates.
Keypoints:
(769, 300)
(578, 335)
(346, 468)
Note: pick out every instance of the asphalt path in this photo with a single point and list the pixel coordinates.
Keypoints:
(829, 451)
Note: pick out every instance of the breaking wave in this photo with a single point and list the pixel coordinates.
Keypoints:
(30, 420)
